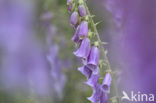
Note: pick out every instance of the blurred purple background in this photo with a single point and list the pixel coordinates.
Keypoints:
(133, 41)
(36, 59)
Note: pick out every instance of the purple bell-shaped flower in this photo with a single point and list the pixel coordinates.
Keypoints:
(94, 78)
(84, 49)
(96, 94)
(93, 59)
(107, 83)
(83, 29)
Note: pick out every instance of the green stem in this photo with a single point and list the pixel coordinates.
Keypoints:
(103, 50)
(98, 37)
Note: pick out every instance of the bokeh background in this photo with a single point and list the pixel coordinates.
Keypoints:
(37, 64)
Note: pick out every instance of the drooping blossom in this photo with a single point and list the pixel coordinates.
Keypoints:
(93, 59)
(84, 49)
(83, 32)
(94, 78)
(96, 94)
(107, 83)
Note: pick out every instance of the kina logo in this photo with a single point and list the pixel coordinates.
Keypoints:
(137, 97)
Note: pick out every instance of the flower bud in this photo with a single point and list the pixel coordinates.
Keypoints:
(87, 18)
(82, 10)
(83, 29)
(90, 34)
(84, 49)
(96, 43)
(74, 19)
(70, 8)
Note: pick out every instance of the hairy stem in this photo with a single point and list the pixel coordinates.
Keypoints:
(98, 37)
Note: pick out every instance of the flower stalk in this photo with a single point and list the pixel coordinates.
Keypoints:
(106, 61)
(88, 39)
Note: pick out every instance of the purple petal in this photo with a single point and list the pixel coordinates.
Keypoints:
(85, 71)
(84, 49)
(74, 18)
(103, 97)
(107, 83)
(94, 78)
(83, 29)
(75, 38)
(92, 67)
(94, 57)
(96, 94)
(82, 11)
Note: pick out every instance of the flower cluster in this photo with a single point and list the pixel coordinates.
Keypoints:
(88, 53)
